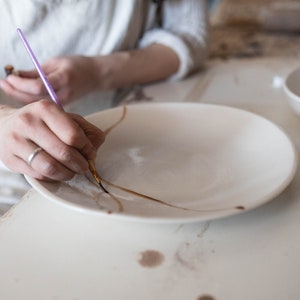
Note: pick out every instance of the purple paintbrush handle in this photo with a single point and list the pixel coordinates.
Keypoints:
(39, 68)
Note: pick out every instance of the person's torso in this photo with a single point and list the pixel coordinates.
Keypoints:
(55, 27)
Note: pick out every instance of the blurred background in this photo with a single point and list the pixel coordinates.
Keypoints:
(252, 28)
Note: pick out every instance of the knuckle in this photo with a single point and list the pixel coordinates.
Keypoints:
(74, 137)
(25, 119)
(15, 138)
(64, 154)
(45, 107)
(38, 106)
(44, 104)
(48, 168)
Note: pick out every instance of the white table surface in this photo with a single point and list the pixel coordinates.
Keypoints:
(50, 252)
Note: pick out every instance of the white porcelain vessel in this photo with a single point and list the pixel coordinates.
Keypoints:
(291, 87)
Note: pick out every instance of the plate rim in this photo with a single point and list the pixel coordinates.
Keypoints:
(40, 188)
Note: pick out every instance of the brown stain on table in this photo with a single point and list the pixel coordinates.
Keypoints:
(151, 258)
(206, 297)
(240, 207)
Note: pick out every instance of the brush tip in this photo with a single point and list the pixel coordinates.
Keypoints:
(103, 188)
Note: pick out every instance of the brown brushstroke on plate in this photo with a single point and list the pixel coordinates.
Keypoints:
(109, 129)
(135, 193)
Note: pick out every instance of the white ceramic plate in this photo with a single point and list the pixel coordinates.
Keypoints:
(192, 162)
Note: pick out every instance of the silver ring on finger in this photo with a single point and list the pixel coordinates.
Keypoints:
(32, 155)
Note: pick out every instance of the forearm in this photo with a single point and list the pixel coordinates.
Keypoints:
(139, 66)
(75, 76)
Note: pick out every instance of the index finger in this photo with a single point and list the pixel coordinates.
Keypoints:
(65, 128)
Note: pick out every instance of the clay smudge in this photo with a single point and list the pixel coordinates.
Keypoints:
(185, 263)
(240, 207)
(206, 297)
(203, 230)
(151, 258)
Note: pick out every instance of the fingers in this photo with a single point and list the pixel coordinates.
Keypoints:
(73, 131)
(64, 127)
(28, 87)
(68, 156)
(32, 86)
(71, 77)
(93, 133)
(20, 96)
(65, 141)
(42, 166)
(28, 74)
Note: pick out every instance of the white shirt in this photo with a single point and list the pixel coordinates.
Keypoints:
(96, 27)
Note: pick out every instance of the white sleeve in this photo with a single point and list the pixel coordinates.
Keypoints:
(184, 28)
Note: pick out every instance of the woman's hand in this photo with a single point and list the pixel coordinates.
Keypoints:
(70, 76)
(67, 141)
(74, 76)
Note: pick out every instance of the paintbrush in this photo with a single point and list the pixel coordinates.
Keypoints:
(54, 98)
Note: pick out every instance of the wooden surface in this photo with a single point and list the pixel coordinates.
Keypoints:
(246, 42)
